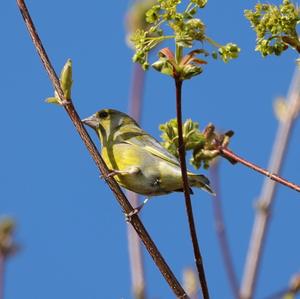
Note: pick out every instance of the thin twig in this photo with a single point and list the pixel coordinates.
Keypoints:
(221, 231)
(126, 206)
(268, 191)
(186, 190)
(134, 242)
(270, 174)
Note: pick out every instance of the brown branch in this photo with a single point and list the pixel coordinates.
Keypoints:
(134, 243)
(221, 231)
(231, 155)
(186, 190)
(269, 190)
(126, 206)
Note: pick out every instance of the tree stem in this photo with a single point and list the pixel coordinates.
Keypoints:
(186, 190)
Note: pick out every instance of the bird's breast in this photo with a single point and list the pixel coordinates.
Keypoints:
(156, 176)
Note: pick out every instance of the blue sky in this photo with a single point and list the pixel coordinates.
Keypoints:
(71, 229)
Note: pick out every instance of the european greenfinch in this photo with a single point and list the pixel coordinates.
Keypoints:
(137, 160)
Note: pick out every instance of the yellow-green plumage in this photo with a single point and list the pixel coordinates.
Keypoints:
(141, 164)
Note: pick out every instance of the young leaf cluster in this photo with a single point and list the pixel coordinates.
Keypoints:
(275, 27)
(186, 29)
(204, 145)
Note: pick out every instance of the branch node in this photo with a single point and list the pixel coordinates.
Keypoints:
(262, 207)
(65, 103)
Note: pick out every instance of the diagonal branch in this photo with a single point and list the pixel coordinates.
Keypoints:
(126, 206)
(269, 190)
(186, 190)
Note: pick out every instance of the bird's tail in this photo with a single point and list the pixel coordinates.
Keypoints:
(200, 181)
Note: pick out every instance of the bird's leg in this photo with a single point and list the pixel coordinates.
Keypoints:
(136, 210)
(130, 170)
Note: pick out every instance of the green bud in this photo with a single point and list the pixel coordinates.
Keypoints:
(229, 51)
(152, 15)
(190, 71)
(281, 109)
(145, 66)
(226, 138)
(200, 3)
(188, 126)
(66, 79)
(7, 228)
(163, 66)
(195, 23)
(214, 55)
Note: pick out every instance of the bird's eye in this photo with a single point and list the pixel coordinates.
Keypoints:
(103, 114)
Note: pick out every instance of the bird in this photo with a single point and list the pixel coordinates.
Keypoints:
(137, 160)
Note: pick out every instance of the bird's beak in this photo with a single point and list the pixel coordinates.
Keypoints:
(91, 121)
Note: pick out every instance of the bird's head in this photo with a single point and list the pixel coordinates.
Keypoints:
(107, 122)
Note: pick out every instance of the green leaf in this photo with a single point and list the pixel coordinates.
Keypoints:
(53, 100)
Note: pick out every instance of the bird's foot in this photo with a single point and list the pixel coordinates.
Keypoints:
(128, 216)
(135, 211)
(113, 172)
(110, 174)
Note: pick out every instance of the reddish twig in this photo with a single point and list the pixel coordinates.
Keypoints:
(269, 189)
(134, 243)
(186, 190)
(231, 155)
(221, 232)
(126, 206)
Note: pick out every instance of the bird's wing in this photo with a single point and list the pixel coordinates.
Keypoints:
(154, 147)
(143, 140)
